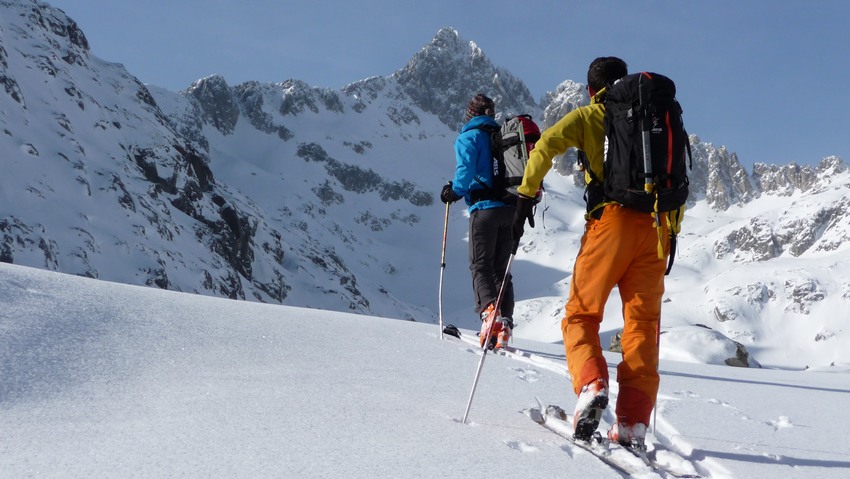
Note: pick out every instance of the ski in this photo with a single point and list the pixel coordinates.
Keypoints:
(625, 460)
(452, 330)
(553, 419)
(643, 456)
(556, 365)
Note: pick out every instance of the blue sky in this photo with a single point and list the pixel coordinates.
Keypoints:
(765, 78)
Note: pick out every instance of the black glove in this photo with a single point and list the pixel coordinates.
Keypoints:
(448, 195)
(524, 211)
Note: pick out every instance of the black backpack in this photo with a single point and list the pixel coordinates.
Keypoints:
(645, 144)
(510, 144)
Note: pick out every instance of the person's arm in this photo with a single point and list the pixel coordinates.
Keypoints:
(553, 141)
(466, 153)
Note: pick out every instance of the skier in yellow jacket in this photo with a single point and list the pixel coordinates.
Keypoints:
(619, 248)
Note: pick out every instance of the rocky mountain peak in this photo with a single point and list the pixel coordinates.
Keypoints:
(719, 175)
(568, 96)
(784, 180)
(448, 71)
(57, 40)
(217, 103)
(52, 21)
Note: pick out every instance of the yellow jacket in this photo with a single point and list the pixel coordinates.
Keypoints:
(582, 128)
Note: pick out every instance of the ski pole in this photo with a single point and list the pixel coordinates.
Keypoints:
(487, 340)
(649, 182)
(646, 126)
(443, 268)
(657, 361)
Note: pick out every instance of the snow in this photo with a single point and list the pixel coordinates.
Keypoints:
(99, 379)
(102, 379)
(714, 347)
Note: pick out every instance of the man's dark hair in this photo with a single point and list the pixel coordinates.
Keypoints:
(480, 104)
(604, 71)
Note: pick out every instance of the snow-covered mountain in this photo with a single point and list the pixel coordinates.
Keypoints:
(325, 198)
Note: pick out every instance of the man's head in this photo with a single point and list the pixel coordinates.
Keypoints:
(480, 104)
(604, 71)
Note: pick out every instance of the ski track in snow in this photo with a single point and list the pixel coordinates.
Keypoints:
(666, 449)
(90, 362)
(666, 444)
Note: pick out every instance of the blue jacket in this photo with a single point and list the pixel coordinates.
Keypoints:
(472, 152)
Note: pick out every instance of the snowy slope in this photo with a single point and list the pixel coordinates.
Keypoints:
(101, 379)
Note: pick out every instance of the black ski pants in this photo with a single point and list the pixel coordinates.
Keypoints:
(490, 245)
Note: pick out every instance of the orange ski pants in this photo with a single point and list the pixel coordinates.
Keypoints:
(619, 249)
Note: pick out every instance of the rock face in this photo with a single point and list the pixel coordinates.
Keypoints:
(216, 102)
(568, 96)
(757, 240)
(443, 76)
(810, 225)
(787, 179)
(80, 123)
(731, 353)
(719, 176)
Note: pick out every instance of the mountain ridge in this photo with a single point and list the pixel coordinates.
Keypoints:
(311, 196)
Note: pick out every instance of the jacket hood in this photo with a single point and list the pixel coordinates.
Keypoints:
(478, 121)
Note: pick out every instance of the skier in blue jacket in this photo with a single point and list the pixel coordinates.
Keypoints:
(490, 221)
